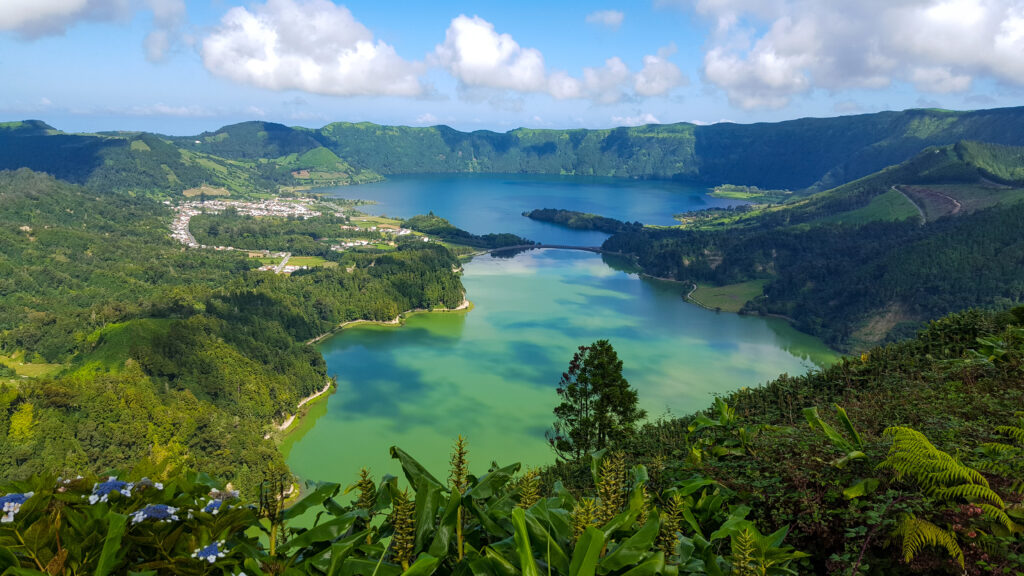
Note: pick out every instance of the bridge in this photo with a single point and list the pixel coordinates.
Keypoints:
(595, 249)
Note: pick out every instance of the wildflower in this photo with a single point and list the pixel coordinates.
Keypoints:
(12, 504)
(213, 506)
(210, 553)
(156, 512)
(101, 490)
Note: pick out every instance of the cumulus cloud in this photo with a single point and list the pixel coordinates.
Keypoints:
(765, 52)
(484, 60)
(637, 120)
(658, 76)
(427, 118)
(161, 109)
(310, 45)
(608, 18)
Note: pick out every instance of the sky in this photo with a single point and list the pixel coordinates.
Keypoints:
(185, 66)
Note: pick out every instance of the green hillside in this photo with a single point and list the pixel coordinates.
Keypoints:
(797, 154)
(854, 265)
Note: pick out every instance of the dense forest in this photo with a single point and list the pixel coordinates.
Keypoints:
(438, 227)
(854, 265)
(161, 355)
(581, 221)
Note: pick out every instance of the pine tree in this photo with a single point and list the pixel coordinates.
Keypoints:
(598, 409)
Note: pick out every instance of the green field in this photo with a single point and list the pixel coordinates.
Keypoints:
(310, 261)
(890, 207)
(728, 298)
(208, 190)
(17, 362)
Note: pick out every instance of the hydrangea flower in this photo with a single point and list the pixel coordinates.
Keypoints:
(101, 490)
(213, 506)
(223, 494)
(155, 512)
(12, 504)
(210, 553)
(147, 483)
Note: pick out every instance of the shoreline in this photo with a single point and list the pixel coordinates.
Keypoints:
(299, 412)
(466, 305)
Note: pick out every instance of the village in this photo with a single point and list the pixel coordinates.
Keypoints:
(276, 208)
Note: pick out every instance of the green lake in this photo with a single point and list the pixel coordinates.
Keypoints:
(490, 373)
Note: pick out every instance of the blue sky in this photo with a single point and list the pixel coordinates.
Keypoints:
(180, 67)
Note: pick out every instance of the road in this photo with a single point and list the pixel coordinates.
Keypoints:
(919, 210)
(280, 267)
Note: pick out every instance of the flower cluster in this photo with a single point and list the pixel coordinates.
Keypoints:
(213, 506)
(210, 553)
(12, 504)
(147, 483)
(102, 490)
(223, 494)
(155, 512)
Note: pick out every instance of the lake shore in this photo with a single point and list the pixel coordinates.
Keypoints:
(466, 305)
(305, 402)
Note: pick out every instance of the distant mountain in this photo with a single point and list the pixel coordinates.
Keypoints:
(816, 153)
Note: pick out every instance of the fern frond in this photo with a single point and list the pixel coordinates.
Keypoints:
(918, 534)
(1017, 434)
(913, 455)
(969, 492)
(997, 515)
(999, 447)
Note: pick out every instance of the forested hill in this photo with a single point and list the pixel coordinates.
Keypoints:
(870, 260)
(120, 348)
(796, 154)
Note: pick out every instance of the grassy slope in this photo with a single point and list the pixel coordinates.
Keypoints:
(729, 298)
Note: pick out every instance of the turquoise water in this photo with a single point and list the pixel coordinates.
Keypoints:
(490, 373)
(483, 203)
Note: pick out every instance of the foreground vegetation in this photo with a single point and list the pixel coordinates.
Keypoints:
(921, 473)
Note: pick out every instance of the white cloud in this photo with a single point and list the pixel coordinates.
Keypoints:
(310, 45)
(765, 52)
(168, 18)
(485, 61)
(427, 118)
(610, 18)
(638, 120)
(658, 76)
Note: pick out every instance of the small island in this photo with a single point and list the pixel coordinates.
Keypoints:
(581, 220)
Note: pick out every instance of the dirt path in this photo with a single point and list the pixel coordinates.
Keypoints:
(911, 200)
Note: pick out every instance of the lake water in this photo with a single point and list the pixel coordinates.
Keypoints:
(490, 373)
(483, 203)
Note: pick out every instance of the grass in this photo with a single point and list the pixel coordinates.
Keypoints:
(728, 298)
(208, 190)
(17, 362)
(112, 344)
(890, 207)
(310, 261)
(972, 197)
(274, 261)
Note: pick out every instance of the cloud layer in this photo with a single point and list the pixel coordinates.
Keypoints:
(763, 53)
(478, 56)
(609, 18)
(309, 45)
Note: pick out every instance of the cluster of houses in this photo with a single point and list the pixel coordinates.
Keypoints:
(274, 207)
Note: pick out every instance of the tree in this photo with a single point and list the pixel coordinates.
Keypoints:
(598, 407)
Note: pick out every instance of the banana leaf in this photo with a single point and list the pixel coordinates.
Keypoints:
(314, 498)
(653, 565)
(446, 528)
(527, 565)
(546, 543)
(414, 471)
(425, 565)
(428, 500)
(326, 532)
(490, 483)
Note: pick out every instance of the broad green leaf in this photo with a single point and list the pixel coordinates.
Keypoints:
(653, 565)
(489, 524)
(314, 498)
(423, 566)
(7, 559)
(117, 523)
(415, 473)
(428, 500)
(633, 549)
(815, 421)
(491, 482)
(526, 563)
(736, 521)
(861, 488)
(850, 457)
(446, 528)
(587, 551)
(16, 571)
(499, 564)
(546, 542)
(845, 420)
(326, 532)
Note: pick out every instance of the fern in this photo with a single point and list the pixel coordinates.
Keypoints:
(918, 534)
(932, 469)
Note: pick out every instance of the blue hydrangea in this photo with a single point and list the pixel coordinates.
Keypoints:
(147, 483)
(155, 512)
(12, 504)
(101, 490)
(210, 553)
(213, 506)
